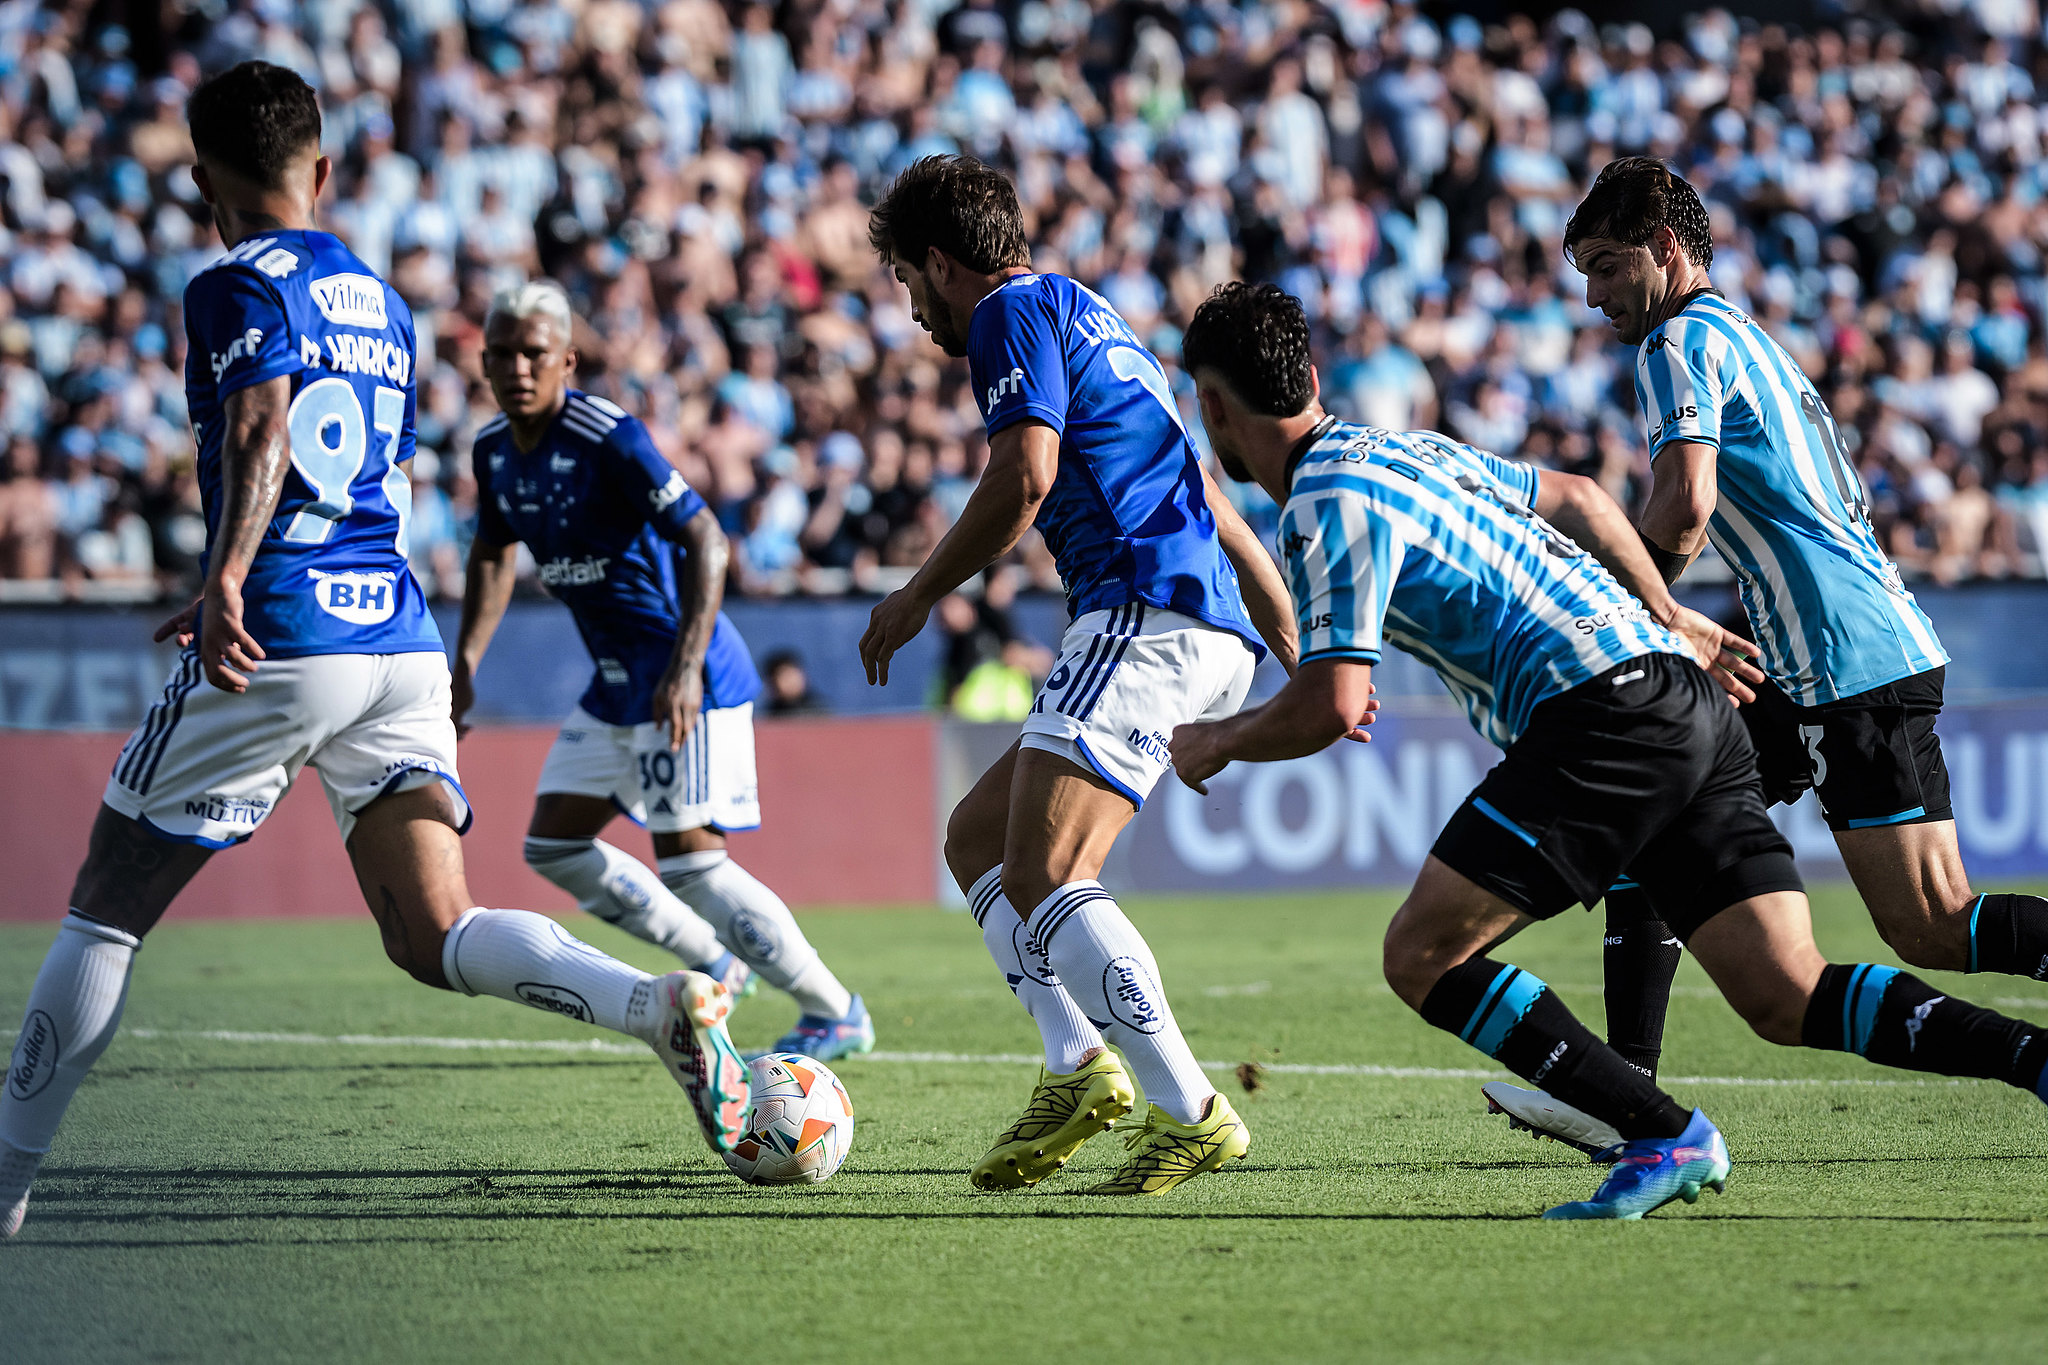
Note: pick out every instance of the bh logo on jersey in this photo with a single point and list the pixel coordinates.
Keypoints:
(361, 599)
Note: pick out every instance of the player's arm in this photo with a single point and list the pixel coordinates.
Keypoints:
(254, 455)
(486, 591)
(1682, 497)
(681, 693)
(1324, 701)
(1265, 595)
(1023, 460)
(1582, 510)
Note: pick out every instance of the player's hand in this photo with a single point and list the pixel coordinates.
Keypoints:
(677, 702)
(179, 625)
(227, 652)
(461, 697)
(1197, 753)
(1727, 657)
(894, 624)
(1357, 732)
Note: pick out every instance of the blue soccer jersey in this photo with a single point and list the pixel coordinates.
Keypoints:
(1127, 520)
(1827, 605)
(603, 514)
(1412, 539)
(330, 576)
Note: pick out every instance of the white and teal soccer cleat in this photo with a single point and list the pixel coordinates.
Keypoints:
(827, 1040)
(1543, 1116)
(1651, 1172)
(690, 1038)
(17, 1173)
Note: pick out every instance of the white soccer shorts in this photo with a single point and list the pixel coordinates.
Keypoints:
(207, 766)
(710, 782)
(1125, 678)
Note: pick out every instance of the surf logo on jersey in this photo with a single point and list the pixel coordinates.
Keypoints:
(574, 573)
(242, 348)
(362, 599)
(669, 493)
(1011, 383)
(351, 300)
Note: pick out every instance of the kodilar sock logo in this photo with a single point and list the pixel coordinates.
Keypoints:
(555, 999)
(35, 1056)
(1133, 995)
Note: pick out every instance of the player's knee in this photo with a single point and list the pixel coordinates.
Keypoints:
(1411, 965)
(1937, 944)
(1026, 887)
(971, 847)
(546, 856)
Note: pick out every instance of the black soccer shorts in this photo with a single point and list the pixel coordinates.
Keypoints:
(1645, 769)
(1872, 759)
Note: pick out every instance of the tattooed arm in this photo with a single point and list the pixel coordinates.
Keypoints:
(255, 453)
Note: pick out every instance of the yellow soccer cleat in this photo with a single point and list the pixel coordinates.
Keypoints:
(1164, 1152)
(1065, 1111)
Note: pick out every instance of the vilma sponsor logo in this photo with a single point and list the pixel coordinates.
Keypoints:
(351, 300)
(555, 999)
(35, 1056)
(1130, 990)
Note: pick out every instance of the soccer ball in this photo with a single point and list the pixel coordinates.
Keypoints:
(801, 1127)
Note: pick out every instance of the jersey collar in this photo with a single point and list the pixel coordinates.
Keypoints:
(1301, 447)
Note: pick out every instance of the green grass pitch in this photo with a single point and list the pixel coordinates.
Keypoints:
(217, 1199)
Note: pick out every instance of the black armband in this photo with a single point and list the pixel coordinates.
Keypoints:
(1669, 563)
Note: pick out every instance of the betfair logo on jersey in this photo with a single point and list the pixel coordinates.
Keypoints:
(666, 495)
(1011, 383)
(362, 599)
(242, 348)
(574, 573)
(351, 300)
(373, 356)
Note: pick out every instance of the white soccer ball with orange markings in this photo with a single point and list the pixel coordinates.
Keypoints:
(801, 1127)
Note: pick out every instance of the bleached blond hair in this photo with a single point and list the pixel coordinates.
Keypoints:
(535, 298)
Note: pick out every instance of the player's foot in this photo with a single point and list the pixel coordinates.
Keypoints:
(689, 1034)
(1065, 1111)
(827, 1040)
(1539, 1115)
(736, 976)
(17, 1173)
(1651, 1172)
(1164, 1152)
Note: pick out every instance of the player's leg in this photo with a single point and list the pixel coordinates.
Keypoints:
(1639, 957)
(589, 776)
(693, 797)
(129, 878)
(974, 854)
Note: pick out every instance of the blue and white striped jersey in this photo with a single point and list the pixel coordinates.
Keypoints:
(1826, 604)
(1413, 539)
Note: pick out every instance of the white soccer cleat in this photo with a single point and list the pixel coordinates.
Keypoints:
(1545, 1117)
(17, 1173)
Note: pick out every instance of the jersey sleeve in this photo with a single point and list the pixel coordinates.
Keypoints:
(1519, 477)
(491, 526)
(1016, 362)
(238, 328)
(1341, 561)
(650, 481)
(1680, 385)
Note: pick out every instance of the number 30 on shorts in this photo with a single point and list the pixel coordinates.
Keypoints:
(657, 771)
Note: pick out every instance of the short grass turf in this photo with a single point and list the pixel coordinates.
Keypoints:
(217, 1200)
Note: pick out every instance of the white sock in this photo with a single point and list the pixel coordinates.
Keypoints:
(620, 889)
(753, 922)
(73, 1009)
(1109, 971)
(518, 955)
(1064, 1030)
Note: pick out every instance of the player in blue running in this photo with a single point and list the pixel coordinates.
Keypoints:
(311, 645)
(1746, 454)
(665, 731)
(1085, 443)
(1515, 586)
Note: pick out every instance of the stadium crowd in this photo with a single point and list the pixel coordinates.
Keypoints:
(696, 173)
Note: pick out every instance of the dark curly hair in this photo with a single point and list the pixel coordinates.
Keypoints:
(1256, 337)
(1631, 199)
(254, 119)
(957, 204)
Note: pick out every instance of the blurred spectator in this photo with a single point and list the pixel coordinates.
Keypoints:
(991, 671)
(789, 687)
(695, 171)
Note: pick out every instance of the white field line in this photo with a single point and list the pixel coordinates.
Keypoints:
(606, 1047)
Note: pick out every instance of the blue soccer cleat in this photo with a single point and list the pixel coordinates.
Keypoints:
(827, 1040)
(1651, 1172)
(728, 971)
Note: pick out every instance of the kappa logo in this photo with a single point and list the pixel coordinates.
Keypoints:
(1919, 1021)
(35, 1056)
(351, 300)
(555, 999)
(1011, 383)
(1132, 993)
(1656, 344)
(1294, 542)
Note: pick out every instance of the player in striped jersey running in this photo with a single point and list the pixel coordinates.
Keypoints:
(1621, 755)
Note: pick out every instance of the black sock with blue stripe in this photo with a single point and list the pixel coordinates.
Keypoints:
(1896, 1019)
(2009, 934)
(1640, 957)
(1514, 1018)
